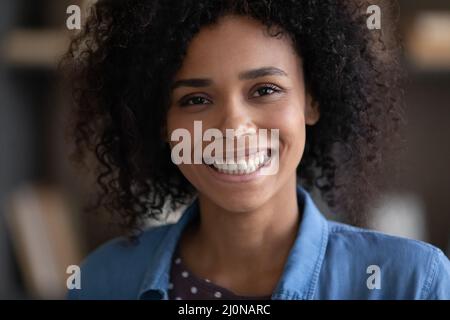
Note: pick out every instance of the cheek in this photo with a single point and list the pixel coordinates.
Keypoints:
(290, 120)
(291, 123)
(176, 120)
(180, 120)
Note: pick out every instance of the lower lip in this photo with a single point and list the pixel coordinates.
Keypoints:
(236, 178)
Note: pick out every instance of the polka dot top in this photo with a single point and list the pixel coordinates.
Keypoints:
(186, 286)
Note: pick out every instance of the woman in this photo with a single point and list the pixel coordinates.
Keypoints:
(312, 71)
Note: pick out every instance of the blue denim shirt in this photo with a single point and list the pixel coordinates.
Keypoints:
(328, 260)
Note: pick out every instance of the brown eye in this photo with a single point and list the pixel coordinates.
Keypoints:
(265, 90)
(196, 100)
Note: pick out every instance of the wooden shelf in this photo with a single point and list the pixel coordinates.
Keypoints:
(428, 43)
(35, 47)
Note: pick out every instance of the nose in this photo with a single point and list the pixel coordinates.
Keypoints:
(235, 115)
(238, 127)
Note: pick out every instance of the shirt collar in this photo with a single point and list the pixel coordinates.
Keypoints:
(301, 271)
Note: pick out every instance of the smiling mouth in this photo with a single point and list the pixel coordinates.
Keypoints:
(244, 166)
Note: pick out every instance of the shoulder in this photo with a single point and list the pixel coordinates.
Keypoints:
(408, 269)
(103, 274)
(377, 243)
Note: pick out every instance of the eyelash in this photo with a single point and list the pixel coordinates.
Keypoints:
(187, 101)
(270, 86)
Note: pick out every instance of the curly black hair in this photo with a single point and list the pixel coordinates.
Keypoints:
(122, 63)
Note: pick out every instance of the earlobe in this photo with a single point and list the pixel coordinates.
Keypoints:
(312, 111)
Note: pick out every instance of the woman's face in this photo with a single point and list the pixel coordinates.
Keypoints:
(236, 76)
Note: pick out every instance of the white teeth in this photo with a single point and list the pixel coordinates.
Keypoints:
(250, 163)
(243, 166)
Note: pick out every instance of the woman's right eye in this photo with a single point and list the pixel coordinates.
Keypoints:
(196, 100)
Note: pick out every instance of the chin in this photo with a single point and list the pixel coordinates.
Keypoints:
(239, 200)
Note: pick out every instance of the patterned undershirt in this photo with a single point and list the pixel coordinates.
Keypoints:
(186, 286)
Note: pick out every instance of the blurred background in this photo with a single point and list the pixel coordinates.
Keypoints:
(43, 227)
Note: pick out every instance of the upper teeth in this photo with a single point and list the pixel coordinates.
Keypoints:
(243, 166)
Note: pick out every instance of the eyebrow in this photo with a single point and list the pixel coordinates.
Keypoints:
(195, 83)
(261, 72)
(246, 75)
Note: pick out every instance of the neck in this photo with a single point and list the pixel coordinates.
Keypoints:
(256, 242)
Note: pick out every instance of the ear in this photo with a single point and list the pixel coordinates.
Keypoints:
(312, 111)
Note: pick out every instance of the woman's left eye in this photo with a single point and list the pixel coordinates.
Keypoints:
(266, 90)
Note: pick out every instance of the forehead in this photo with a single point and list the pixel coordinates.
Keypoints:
(234, 44)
